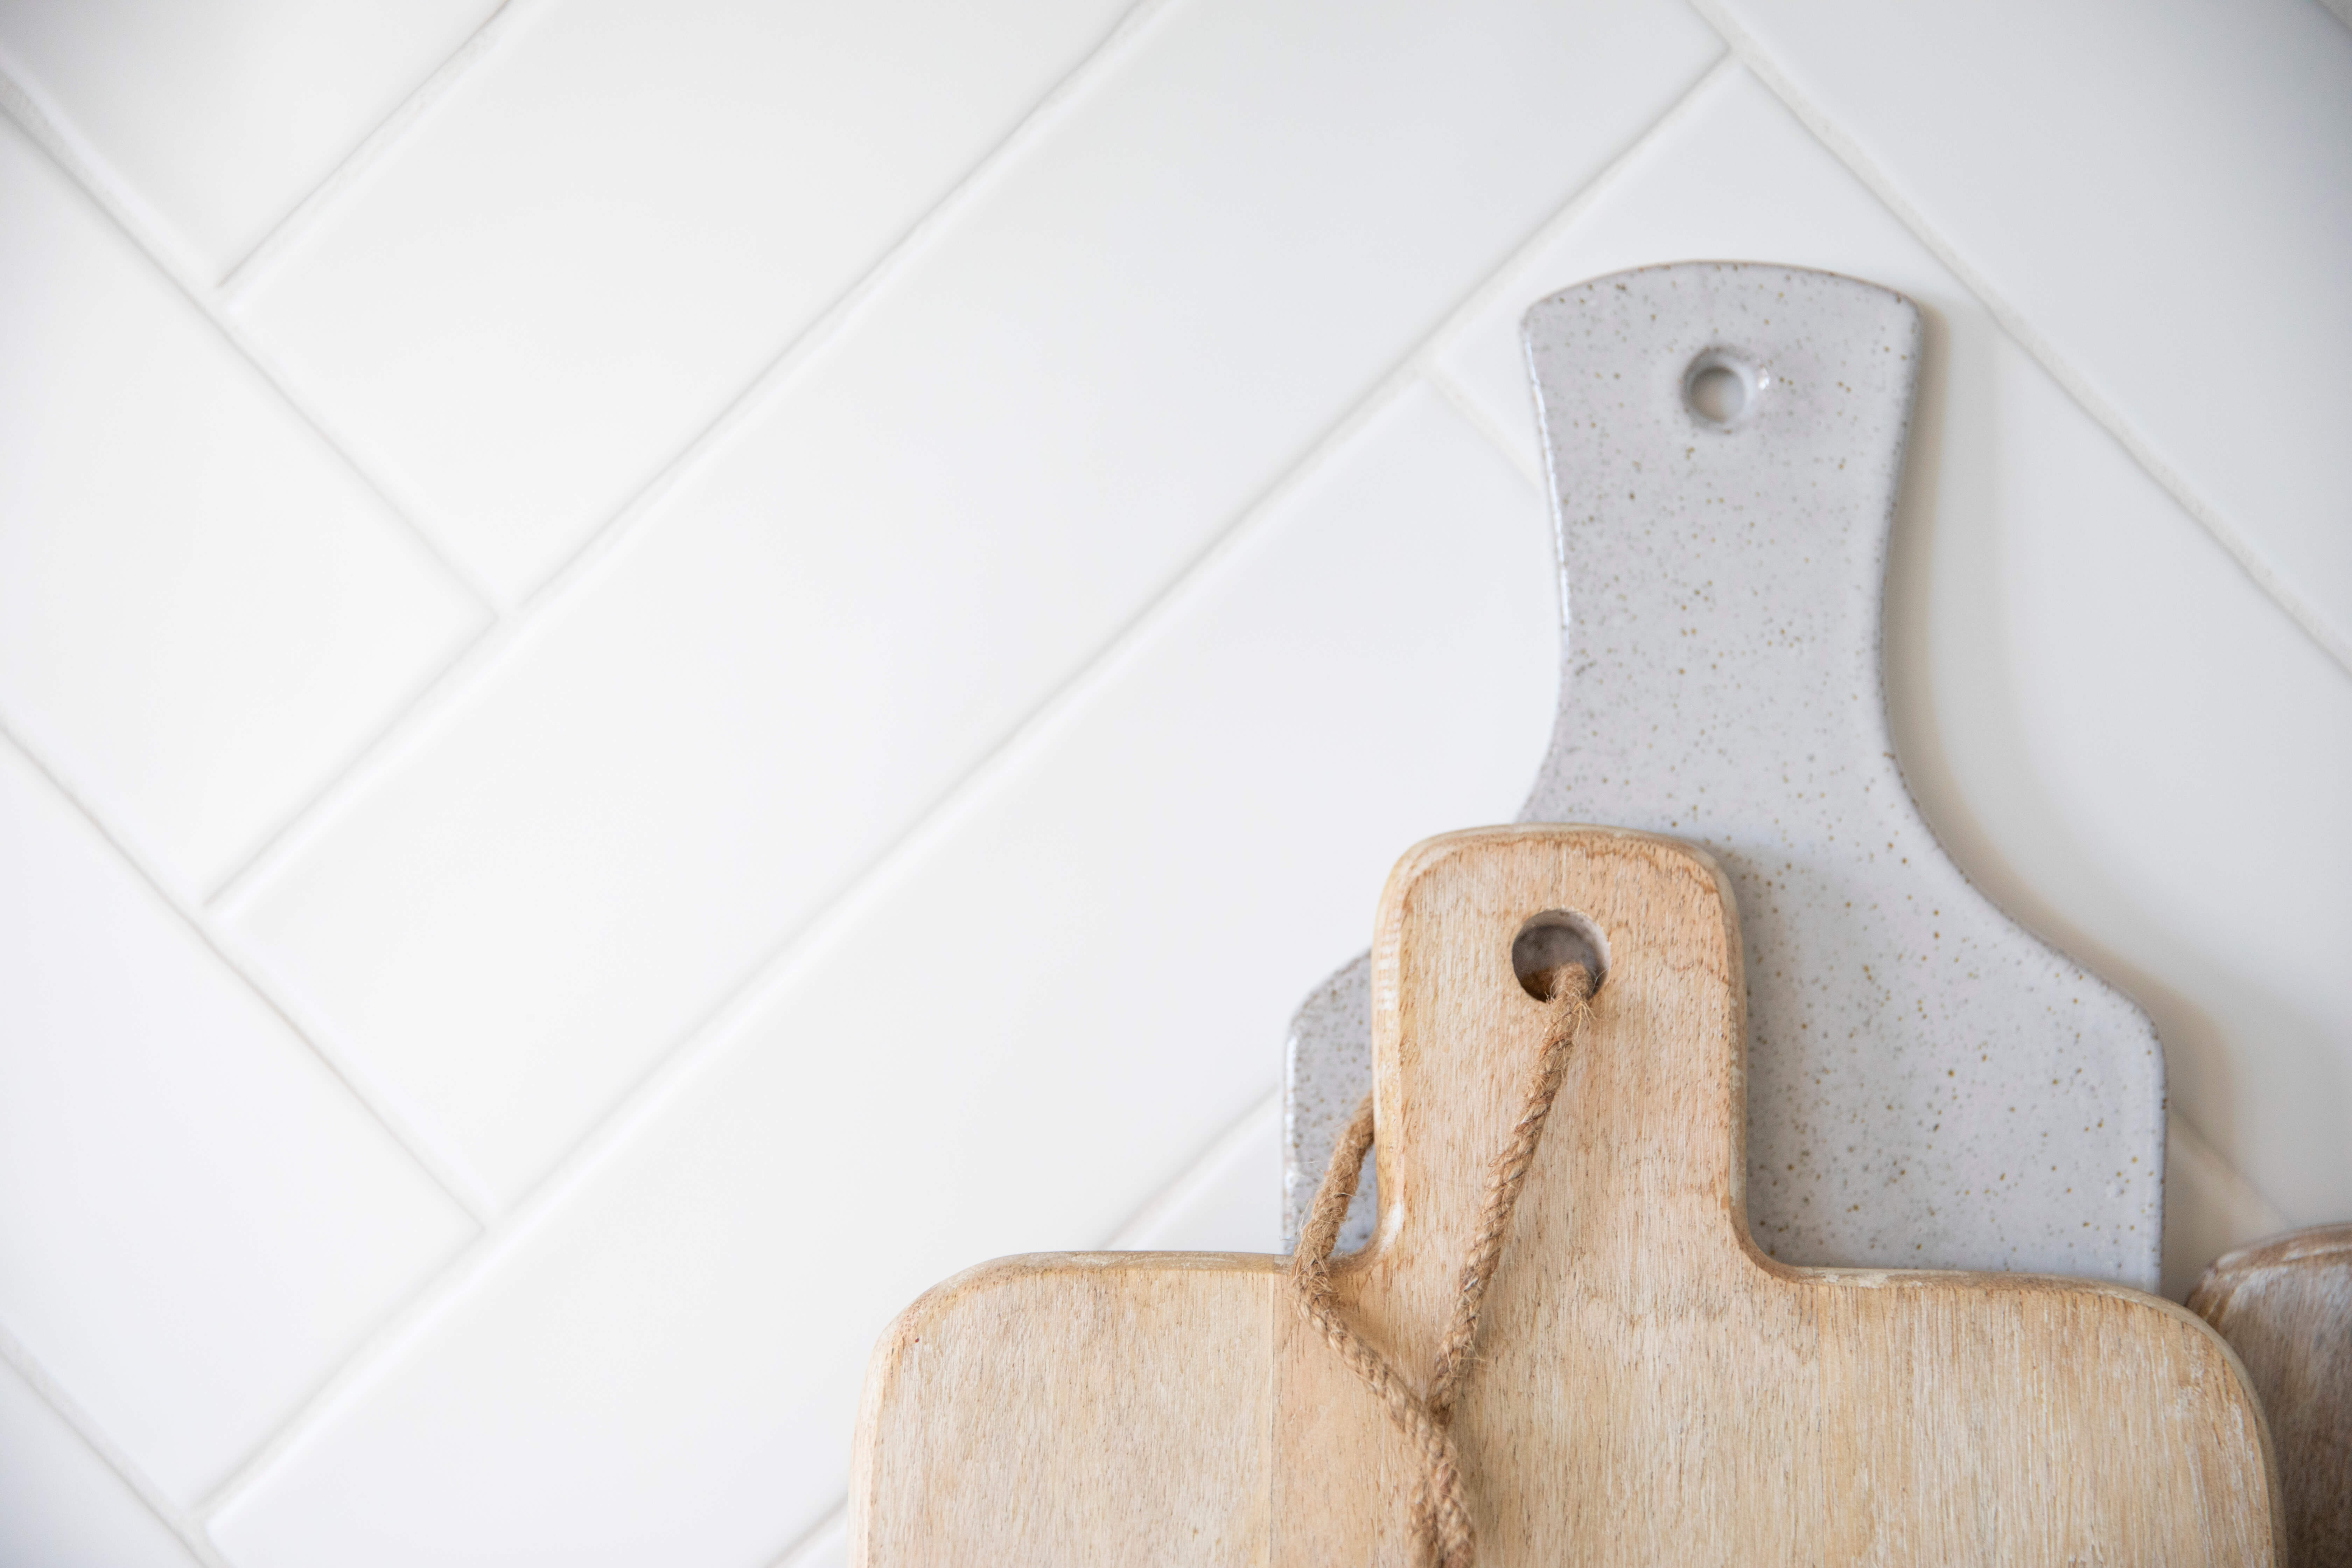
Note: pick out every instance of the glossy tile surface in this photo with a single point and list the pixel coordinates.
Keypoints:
(220, 117)
(203, 613)
(616, 221)
(912, 543)
(196, 1220)
(1062, 940)
(2161, 194)
(60, 1506)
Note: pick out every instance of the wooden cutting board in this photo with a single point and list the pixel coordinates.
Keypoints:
(1650, 1388)
(2285, 1307)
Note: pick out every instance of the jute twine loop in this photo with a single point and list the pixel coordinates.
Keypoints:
(1440, 1508)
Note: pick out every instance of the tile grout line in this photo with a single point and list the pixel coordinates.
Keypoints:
(51, 130)
(709, 1040)
(1849, 152)
(424, 702)
(2196, 1148)
(634, 517)
(409, 1319)
(828, 325)
(149, 237)
(807, 1548)
(495, 31)
(450, 1177)
(1458, 398)
(50, 1392)
(1195, 1177)
(491, 635)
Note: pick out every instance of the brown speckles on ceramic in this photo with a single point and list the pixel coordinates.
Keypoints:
(1929, 1086)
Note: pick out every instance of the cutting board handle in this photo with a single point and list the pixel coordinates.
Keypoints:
(1648, 1128)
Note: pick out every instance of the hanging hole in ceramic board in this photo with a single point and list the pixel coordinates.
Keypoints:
(1551, 940)
(1722, 388)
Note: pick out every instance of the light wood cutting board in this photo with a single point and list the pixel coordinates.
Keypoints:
(1650, 1389)
(2285, 1307)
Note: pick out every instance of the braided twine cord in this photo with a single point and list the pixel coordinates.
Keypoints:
(1441, 1505)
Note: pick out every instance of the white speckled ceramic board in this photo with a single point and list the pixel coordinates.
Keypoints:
(1929, 1085)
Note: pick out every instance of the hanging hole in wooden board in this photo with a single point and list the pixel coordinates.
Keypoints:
(1551, 940)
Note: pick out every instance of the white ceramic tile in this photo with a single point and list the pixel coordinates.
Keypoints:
(917, 539)
(1230, 1201)
(2163, 192)
(2209, 1210)
(604, 231)
(1008, 1046)
(2107, 723)
(2160, 757)
(827, 1547)
(220, 117)
(197, 1219)
(60, 1505)
(202, 611)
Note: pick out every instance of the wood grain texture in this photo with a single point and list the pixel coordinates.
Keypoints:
(2285, 1307)
(1651, 1389)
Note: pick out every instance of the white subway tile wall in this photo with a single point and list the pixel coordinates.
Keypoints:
(1026, 1024)
(196, 1218)
(948, 510)
(203, 611)
(215, 120)
(642, 647)
(928, 1066)
(2180, 260)
(61, 1505)
(614, 221)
